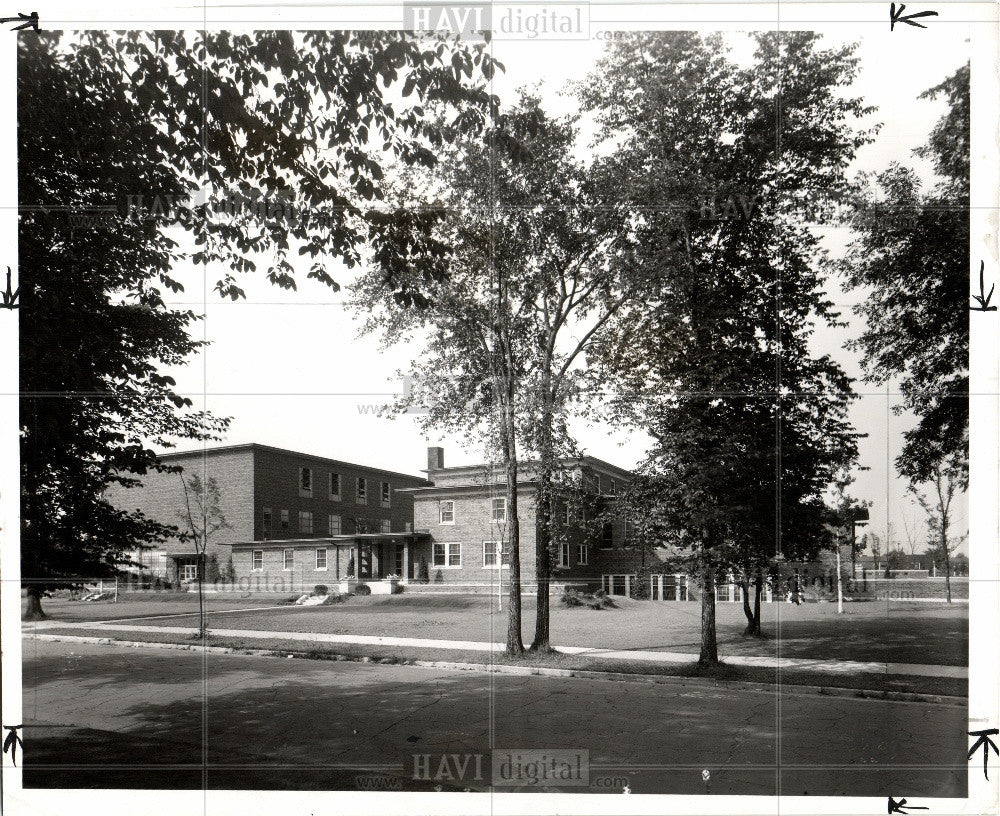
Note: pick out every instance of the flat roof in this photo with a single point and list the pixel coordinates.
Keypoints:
(257, 445)
(337, 539)
(593, 461)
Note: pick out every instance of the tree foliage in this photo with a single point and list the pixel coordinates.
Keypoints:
(749, 426)
(129, 142)
(911, 257)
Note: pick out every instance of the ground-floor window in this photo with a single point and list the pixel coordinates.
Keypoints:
(583, 554)
(447, 554)
(189, 572)
(494, 555)
(289, 559)
(563, 554)
(617, 584)
(321, 558)
(668, 587)
(257, 560)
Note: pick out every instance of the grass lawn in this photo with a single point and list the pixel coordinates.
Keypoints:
(874, 681)
(870, 631)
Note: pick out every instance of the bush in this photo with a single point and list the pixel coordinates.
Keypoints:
(597, 600)
(212, 572)
(229, 573)
(362, 589)
(321, 589)
(423, 573)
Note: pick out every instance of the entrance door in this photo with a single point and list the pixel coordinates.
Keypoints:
(399, 561)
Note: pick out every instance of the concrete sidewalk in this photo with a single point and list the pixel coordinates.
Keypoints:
(830, 666)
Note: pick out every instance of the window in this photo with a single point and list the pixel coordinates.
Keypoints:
(321, 558)
(256, 560)
(447, 512)
(583, 554)
(190, 572)
(265, 524)
(335, 486)
(386, 494)
(494, 555)
(607, 536)
(284, 519)
(305, 481)
(386, 526)
(566, 514)
(335, 525)
(613, 488)
(563, 554)
(409, 527)
(305, 521)
(498, 511)
(289, 559)
(362, 490)
(447, 554)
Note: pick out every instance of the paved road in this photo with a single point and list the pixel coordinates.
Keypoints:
(106, 716)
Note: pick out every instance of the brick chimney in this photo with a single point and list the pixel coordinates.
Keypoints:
(435, 458)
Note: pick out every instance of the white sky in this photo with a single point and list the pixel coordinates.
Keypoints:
(290, 370)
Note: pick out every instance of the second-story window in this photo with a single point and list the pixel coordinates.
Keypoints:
(386, 526)
(305, 522)
(362, 490)
(386, 494)
(498, 510)
(607, 536)
(305, 481)
(335, 486)
(284, 519)
(266, 524)
(446, 510)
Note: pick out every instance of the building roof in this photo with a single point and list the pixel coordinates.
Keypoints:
(527, 464)
(257, 446)
(337, 539)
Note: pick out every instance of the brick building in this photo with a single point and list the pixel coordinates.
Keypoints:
(280, 501)
(464, 514)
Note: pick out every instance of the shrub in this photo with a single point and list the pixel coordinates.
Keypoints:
(229, 573)
(321, 589)
(423, 573)
(362, 589)
(212, 573)
(350, 567)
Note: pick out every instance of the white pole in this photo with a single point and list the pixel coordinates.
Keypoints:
(840, 586)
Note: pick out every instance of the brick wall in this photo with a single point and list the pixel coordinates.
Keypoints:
(161, 497)
(276, 486)
(303, 576)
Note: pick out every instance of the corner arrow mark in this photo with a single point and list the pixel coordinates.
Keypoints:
(982, 297)
(10, 296)
(896, 16)
(985, 741)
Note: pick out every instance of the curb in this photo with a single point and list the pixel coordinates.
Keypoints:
(522, 671)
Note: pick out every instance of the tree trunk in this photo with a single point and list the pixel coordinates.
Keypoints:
(542, 571)
(947, 567)
(709, 648)
(543, 531)
(515, 646)
(758, 590)
(34, 611)
(751, 628)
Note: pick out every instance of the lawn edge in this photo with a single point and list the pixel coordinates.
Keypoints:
(522, 671)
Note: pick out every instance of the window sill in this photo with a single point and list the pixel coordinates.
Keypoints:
(446, 566)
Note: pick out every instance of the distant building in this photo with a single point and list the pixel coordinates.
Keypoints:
(282, 502)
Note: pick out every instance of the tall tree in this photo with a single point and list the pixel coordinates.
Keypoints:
(749, 426)
(126, 138)
(911, 256)
(537, 271)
